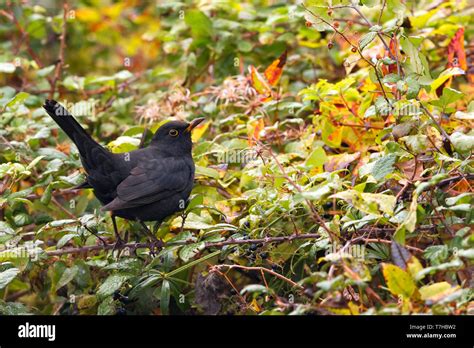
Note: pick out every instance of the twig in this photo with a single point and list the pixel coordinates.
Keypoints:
(62, 47)
(230, 241)
(438, 126)
(261, 269)
(25, 37)
(376, 240)
(314, 212)
(350, 43)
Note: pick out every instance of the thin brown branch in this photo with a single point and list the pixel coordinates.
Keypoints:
(260, 269)
(62, 49)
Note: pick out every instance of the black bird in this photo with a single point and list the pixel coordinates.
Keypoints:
(148, 184)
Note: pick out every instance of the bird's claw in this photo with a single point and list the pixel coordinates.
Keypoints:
(156, 245)
(119, 245)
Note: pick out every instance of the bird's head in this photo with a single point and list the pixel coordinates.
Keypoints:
(174, 137)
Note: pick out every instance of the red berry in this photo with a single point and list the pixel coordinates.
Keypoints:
(336, 25)
(354, 49)
(330, 45)
(308, 24)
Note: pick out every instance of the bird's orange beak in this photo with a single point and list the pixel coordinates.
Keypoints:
(194, 123)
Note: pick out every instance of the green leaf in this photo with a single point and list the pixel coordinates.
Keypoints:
(370, 203)
(13, 308)
(45, 71)
(383, 166)
(436, 253)
(317, 158)
(415, 64)
(165, 297)
(123, 144)
(17, 99)
(67, 276)
(64, 240)
(201, 25)
(409, 223)
(7, 68)
(334, 283)
(449, 96)
(463, 142)
(209, 172)
(187, 252)
(255, 288)
(111, 284)
(107, 307)
(367, 39)
(6, 232)
(7, 276)
(454, 264)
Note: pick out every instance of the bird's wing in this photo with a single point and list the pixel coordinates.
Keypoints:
(152, 181)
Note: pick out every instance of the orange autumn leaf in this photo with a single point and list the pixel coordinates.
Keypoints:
(456, 57)
(254, 131)
(64, 148)
(393, 46)
(456, 52)
(274, 70)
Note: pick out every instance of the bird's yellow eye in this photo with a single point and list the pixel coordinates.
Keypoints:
(173, 132)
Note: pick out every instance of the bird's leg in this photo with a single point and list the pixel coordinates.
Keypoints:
(152, 238)
(156, 227)
(118, 240)
(102, 240)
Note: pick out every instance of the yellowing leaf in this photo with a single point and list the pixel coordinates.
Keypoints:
(414, 266)
(353, 308)
(370, 203)
(254, 130)
(274, 70)
(255, 306)
(409, 223)
(199, 131)
(88, 14)
(398, 281)
(259, 83)
(445, 75)
(437, 291)
(340, 311)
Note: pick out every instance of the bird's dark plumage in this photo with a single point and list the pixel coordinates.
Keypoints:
(147, 184)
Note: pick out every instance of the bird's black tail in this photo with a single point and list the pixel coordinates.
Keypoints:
(70, 126)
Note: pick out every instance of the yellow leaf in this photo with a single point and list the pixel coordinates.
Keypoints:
(445, 75)
(340, 311)
(199, 130)
(87, 14)
(436, 290)
(353, 308)
(255, 306)
(414, 266)
(398, 281)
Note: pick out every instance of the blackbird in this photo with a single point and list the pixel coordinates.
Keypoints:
(148, 184)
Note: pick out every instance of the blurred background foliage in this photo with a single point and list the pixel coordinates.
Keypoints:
(334, 172)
